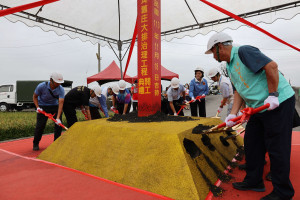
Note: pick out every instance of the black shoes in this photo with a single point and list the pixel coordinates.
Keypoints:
(273, 196)
(245, 186)
(36, 147)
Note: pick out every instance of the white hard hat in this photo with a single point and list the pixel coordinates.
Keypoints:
(115, 88)
(97, 90)
(212, 72)
(56, 77)
(199, 69)
(122, 84)
(215, 39)
(175, 82)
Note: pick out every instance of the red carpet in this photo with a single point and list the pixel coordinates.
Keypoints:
(24, 177)
(23, 147)
(29, 178)
(239, 175)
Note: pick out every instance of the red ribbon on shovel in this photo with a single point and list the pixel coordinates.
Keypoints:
(50, 116)
(85, 115)
(191, 101)
(114, 110)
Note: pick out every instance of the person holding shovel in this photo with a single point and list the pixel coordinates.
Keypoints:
(176, 97)
(99, 102)
(257, 82)
(49, 97)
(225, 89)
(112, 91)
(198, 87)
(79, 97)
(121, 98)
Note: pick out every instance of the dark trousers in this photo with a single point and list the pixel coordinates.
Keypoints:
(165, 106)
(95, 114)
(41, 121)
(120, 108)
(201, 106)
(177, 105)
(70, 113)
(188, 98)
(134, 106)
(271, 132)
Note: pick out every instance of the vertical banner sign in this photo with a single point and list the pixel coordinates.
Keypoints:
(149, 57)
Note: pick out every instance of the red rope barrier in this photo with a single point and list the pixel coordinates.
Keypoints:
(248, 23)
(9, 11)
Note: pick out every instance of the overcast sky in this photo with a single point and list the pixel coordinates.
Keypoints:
(32, 54)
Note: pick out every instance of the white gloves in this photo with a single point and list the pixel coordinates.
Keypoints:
(230, 123)
(220, 110)
(203, 95)
(58, 121)
(185, 102)
(273, 101)
(239, 114)
(175, 114)
(193, 98)
(112, 108)
(38, 110)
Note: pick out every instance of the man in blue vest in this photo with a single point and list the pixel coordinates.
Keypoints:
(257, 81)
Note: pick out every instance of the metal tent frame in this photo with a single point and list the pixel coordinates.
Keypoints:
(119, 43)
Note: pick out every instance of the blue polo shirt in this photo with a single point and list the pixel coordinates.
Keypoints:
(198, 88)
(44, 96)
(253, 58)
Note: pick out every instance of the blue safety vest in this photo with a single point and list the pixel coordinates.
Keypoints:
(253, 87)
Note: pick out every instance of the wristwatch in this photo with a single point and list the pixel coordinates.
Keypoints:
(275, 94)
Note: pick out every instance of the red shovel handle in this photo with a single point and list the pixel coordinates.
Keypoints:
(50, 116)
(191, 101)
(180, 109)
(254, 111)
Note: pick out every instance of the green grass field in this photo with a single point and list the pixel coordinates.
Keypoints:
(22, 124)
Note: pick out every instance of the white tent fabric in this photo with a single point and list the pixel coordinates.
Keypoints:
(101, 16)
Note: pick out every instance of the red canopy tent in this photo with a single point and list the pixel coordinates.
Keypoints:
(111, 73)
(165, 75)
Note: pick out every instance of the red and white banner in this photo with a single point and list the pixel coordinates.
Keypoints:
(149, 57)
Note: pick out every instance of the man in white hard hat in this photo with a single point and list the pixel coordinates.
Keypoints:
(198, 87)
(122, 98)
(257, 82)
(79, 97)
(111, 91)
(176, 97)
(48, 97)
(225, 88)
(98, 102)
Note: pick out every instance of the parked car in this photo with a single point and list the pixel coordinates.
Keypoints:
(213, 89)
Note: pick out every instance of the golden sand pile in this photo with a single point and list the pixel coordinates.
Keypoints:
(151, 156)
